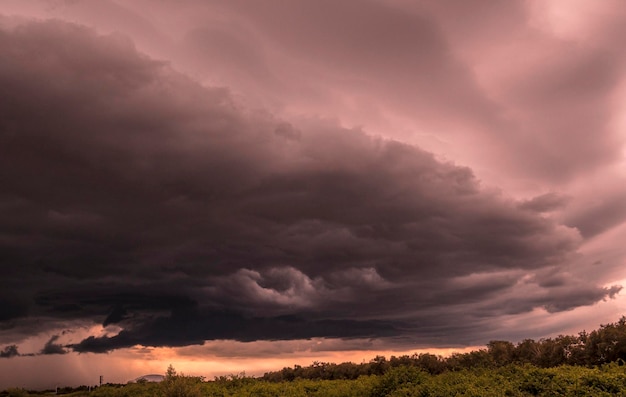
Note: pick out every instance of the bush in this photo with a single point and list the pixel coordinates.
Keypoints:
(398, 378)
(181, 385)
(17, 392)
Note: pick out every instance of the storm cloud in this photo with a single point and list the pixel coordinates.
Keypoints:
(134, 196)
(9, 351)
(53, 348)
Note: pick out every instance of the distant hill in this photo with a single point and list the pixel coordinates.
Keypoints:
(148, 378)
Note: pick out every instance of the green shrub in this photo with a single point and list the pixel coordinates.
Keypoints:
(404, 377)
(17, 392)
(175, 385)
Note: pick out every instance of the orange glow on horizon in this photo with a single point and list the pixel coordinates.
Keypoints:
(212, 366)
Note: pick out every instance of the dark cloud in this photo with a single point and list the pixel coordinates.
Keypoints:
(134, 196)
(193, 327)
(118, 314)
(12, 306)
(9, 351)
(53, 348)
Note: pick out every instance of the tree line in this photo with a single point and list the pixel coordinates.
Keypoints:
(605, 345)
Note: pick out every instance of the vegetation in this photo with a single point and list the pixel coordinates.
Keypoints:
(403, 381)
(175, 385)
(590, 364)
(602, 346)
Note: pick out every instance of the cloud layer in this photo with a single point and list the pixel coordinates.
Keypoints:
(134, 196)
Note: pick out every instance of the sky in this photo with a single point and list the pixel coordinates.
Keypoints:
(231, 186)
